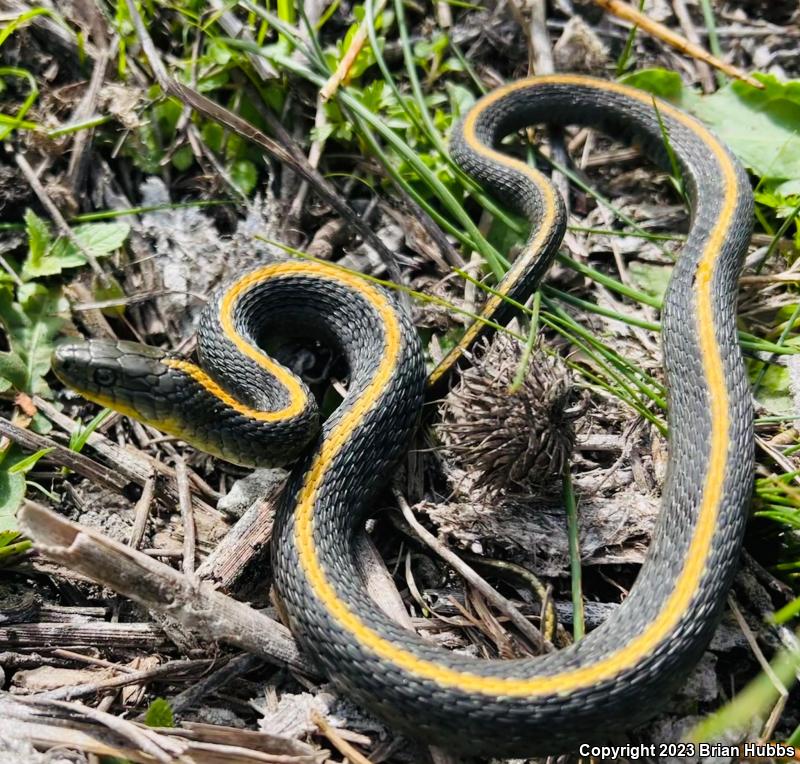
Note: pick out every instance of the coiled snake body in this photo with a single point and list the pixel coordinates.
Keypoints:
(242, 405)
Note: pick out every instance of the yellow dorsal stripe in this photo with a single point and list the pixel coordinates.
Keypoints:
(690, 576)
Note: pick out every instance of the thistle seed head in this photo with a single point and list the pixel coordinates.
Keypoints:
(515, 442)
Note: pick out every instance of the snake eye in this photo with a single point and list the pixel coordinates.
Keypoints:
(104, 377)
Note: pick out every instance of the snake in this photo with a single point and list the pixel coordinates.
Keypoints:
(241, 404)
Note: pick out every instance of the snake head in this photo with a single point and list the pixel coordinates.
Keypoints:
(125, 376)
(180, 399)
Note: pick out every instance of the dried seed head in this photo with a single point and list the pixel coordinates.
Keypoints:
(517, 441)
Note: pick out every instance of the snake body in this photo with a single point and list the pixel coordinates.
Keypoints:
(243, 406)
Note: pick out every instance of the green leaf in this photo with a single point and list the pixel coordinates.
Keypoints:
(244, 175)
(761, 126)
(660, 82)
(8, 537)
(773, 392)
(159, 714)
(98, 239)
(218, 52)
(12, 491)
(38, 234)
(183, 158)
(12, 544)
(651, 279)
(13, 370)
(32, 323)
(40, 424)
(27, 463)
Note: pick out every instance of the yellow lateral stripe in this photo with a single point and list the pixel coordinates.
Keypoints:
(690, 576)
(522, 262)
(294, 388)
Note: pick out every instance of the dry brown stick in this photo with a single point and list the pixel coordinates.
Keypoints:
(170, 670)
(297, 161)
(245, 542)
(351, 54)
(192, 603)
(142, 636)
(141, 513)
(337, 741)
(689, 29)
(185, 504)
(92, 661)
(196, 691)
(143, 738)
(629, 13)
(480, 583)
(379, 582)
(56, 724)
(81, 144)
(780, 687)
(65, 457)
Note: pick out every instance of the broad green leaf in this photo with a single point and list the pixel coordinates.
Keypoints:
(12, 491)
(182, 159)
(13, 370)
(40, 424)
(58, 258)
(159, 714)
(761, 126)
(8, 537)
(32, 323)
(651, 279)
(100, 239)
(774, 391)
(660, 82)
(97, 239)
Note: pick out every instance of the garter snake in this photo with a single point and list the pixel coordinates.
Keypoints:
(240, 404)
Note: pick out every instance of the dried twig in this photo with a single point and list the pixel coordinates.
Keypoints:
(663, 33)
(244, 543)
(185, 503)
(171, 670)
(55, 724)
(480, 583)
(65, 457)
(689, 29)
(196, 691)
(338, 742)
(141, 512)
(194, 604)
(117, 636)
(343, 69)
